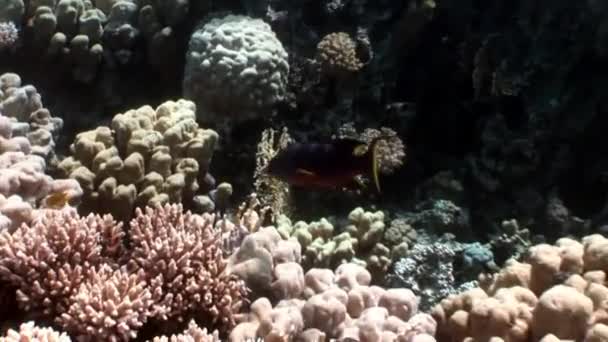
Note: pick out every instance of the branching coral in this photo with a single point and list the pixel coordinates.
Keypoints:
(30, 332)
(111, 305)
(49, 260)
(78, 272)
(192, 334)
(270, 190)
(185, 252)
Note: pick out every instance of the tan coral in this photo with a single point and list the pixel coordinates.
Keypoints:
(148, 156)
(337, 54)
(557, 293)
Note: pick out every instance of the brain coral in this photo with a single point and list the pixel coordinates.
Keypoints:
(147, 157)
(236, 69)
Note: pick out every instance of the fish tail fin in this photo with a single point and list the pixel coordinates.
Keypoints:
(373, 157)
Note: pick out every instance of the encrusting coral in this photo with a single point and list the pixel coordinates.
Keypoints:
(148, 157)
(558, 293)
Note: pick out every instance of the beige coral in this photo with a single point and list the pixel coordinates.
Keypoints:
(337, 54)
(148, 157)
(558, 293)
(336, 305)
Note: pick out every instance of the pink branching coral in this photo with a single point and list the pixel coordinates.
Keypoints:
(111, 305)
(30, 332)
(186, 251)
(193, 334)
(48, 260)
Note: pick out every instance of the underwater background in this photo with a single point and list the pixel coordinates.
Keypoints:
(304, 170)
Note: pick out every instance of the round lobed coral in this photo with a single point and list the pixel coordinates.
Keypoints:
(333, 305)
(148, 157)
(186, 252)
(558, 293)
(25, 116)
(337, 54)
(236, 69)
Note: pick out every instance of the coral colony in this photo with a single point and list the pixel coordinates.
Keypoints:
(151, 188)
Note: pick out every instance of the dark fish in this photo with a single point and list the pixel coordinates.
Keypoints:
(326, 165)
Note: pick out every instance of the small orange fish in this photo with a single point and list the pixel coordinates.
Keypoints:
(56, 200)
(326, 165)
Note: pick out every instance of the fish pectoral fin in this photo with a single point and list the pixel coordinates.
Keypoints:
(305, 172)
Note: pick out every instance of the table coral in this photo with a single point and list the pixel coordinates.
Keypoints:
(148, 156)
